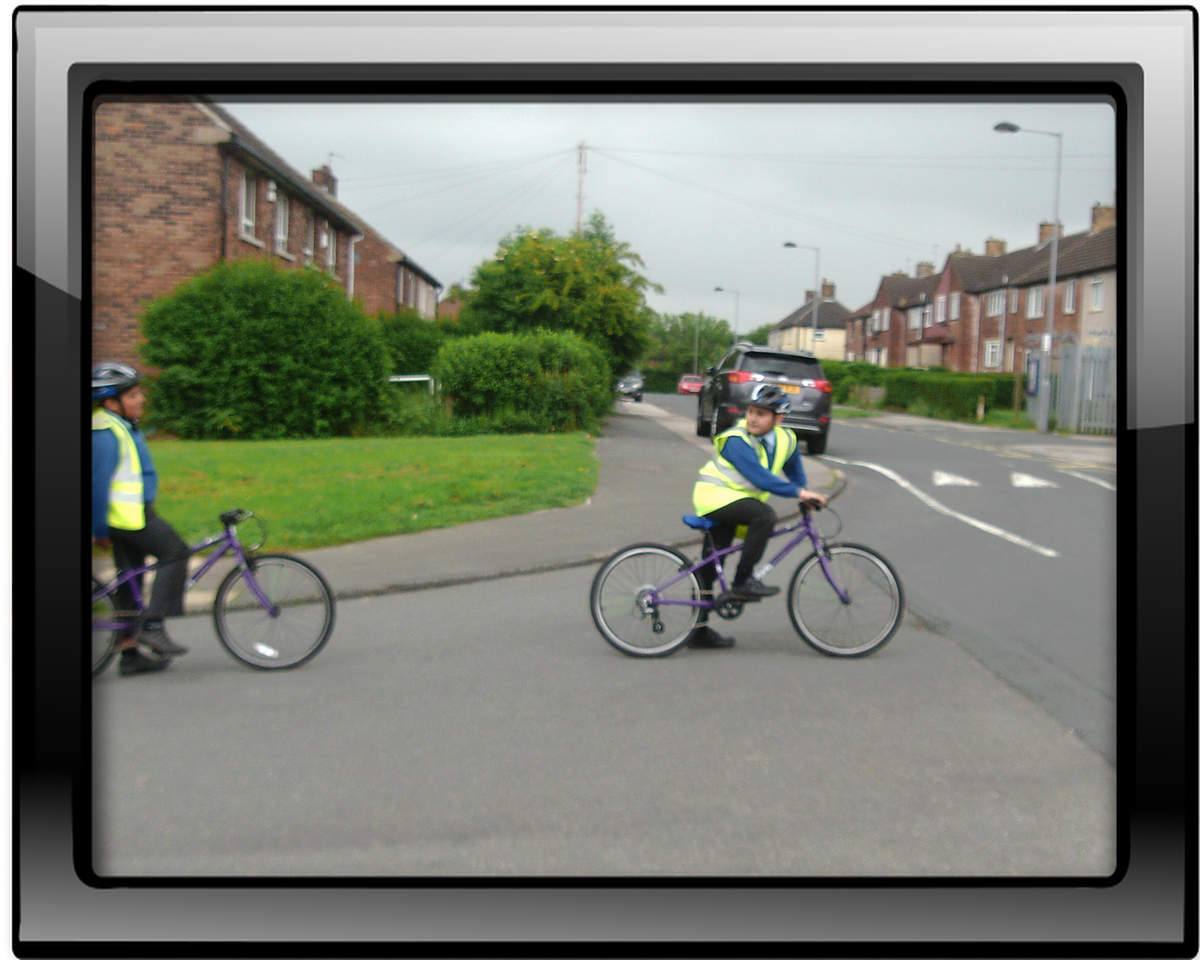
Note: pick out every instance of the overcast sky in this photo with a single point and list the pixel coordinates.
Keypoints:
(708, 193)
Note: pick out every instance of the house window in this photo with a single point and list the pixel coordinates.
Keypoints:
(914, 318)
(991, 354)
(331, 250)
(1069, 296)
(886, 318)
(955, 304)
(941, 309)
(247, 204)
(995, 303)
(928, 315)
(310, 236)
(875, 322)
(1097, 293)
(883, 356)
(818, 334)
(1035, 302)
(281, 225)
(1012, 300)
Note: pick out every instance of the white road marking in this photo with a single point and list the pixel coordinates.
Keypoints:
(943, 509)
(1096, 480)
(1025, 480)
(943, 479)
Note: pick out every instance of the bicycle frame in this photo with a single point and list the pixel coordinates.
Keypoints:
(807, 531)
(229, 543)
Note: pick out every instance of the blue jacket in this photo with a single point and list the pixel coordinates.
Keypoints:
(105, 455)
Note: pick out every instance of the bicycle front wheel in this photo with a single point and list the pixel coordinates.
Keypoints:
(104, 638)
(836, 627)
(293, 632)
(627, 610)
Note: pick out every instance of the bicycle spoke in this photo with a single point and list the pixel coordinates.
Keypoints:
(623, 601)
(846, 629)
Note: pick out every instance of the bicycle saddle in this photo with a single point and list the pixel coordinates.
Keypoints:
(699, 523)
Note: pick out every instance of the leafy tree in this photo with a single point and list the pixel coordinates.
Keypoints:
(673, 342)
(411, 340)
(760, 335)
(585, 283)
(259, 352)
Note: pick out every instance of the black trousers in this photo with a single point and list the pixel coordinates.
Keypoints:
(157, 539)
(758, 518)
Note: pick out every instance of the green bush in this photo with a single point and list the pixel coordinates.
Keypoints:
(659, 381)
(411, 340)
(259, 352)
(536, 382)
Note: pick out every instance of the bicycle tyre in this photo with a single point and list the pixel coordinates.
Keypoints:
(6, 628)
(301, 629)
(617, 595)
(104, 642)
(856, 629)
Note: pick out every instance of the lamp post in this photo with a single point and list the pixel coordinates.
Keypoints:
(1043, 415)
(816, 288)
(737, 303)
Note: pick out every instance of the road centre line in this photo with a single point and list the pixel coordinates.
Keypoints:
(1096, 480)
(943, 509)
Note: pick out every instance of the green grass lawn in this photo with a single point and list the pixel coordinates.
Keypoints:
(317, 493)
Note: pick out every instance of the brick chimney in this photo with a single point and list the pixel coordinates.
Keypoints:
(1103, 217)
(827, 290)
(325, 179)
(1046, 229)
(994, 248)
(808, 296)
(924, 270)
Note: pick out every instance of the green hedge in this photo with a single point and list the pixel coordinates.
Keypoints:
(936, 389)
(253, 351)
(526, 382)
(659, 381)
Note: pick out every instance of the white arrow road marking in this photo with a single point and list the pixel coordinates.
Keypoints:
(942, 508)
(943, 479)
(1025, 480)
(1096, 480)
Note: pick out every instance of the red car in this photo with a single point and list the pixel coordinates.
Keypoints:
(690, 383)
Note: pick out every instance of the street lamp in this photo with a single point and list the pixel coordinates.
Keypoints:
(737, 303)
(816, 288)
(1043, 415)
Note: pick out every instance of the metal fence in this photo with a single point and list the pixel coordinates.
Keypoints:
(1083, 389)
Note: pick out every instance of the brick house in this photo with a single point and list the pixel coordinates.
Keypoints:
(179, 184)
(983, 312)
(795, 331)
(878, 332)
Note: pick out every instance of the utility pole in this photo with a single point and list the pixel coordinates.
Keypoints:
(582, 170)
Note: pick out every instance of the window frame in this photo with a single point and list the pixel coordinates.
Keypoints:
(282, 225)
(1069, 291)
(955, 306)
(995, 303)
(1097, 294)
(248, 207)
(1035, 299)
(991, 354)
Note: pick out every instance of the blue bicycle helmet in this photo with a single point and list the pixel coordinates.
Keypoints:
(770, 397)
(112, 379)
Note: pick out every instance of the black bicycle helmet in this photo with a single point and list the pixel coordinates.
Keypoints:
(770, 397)
(112, 379)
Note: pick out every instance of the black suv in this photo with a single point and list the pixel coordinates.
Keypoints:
(729, 384)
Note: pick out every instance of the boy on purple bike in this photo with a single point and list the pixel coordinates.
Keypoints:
(124, 487)
(755, 458)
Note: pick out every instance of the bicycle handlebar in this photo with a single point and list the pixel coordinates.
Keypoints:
(231, 518)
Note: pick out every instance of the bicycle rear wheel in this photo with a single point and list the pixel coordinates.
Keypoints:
(104, 638)
(622, 607)
(301, 625)
(851, 629)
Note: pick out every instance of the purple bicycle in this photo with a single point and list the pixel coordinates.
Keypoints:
(272, 611)
(844, 600)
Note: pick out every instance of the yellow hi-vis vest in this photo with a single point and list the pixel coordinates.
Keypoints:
(721, 483)
(126, 497)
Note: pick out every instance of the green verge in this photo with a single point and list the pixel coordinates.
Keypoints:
(318, 493)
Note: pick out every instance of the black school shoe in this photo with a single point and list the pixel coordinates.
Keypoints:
(133, 661)
(158, 641)
(706, 638)
(753, 590)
